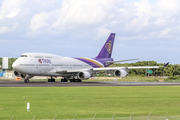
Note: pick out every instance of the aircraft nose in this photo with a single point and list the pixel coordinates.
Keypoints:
(15, 65)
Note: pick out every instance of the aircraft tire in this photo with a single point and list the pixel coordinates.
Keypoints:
(79, 80)
(75, 80)
(49, 80)
(26, 81)
(64, 80)
(53, 80)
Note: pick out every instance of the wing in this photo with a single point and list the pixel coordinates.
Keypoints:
(87, 73)
(127, 68)
(108, 68)
(123, 71)
(105, 69)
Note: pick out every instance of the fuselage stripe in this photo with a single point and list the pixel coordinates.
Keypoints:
(91, 62)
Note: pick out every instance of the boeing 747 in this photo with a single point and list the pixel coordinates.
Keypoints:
(74, 69)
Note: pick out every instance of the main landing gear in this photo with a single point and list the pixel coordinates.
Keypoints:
(64, 80)
(51, 80)
(71, 80)
(75, 80)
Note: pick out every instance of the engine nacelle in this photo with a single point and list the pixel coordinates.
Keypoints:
(17, 74)
(120, 73)
(84, 75)
(23, 76)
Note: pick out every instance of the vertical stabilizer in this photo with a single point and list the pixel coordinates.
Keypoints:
(106, 51)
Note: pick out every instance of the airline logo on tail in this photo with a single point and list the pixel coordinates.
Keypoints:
(109, 46)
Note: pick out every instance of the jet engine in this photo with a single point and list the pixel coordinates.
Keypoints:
(23, 76)
(120, 73)
(17, 74)
(83, 75)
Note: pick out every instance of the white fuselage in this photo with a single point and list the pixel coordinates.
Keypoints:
(42, 64)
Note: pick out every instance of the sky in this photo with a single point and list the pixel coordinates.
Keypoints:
(145, 29)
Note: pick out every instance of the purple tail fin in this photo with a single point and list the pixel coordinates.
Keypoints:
(106, 51)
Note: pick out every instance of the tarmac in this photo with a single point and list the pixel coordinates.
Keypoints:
(10, 83)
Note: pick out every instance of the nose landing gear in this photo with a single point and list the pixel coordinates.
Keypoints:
(26, 80)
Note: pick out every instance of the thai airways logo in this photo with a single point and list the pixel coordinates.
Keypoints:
(40, 61)
(44, 61)
(109, 46)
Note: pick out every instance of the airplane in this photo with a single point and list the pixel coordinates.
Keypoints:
(73, 69)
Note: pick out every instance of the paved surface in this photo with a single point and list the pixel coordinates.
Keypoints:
(5, 83)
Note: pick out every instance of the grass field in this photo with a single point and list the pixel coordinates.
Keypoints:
(65, 102)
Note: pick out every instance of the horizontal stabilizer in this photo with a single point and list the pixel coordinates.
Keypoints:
(108, 62)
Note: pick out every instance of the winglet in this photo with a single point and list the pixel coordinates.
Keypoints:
(166, 64)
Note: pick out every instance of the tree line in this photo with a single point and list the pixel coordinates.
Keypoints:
(170, 70)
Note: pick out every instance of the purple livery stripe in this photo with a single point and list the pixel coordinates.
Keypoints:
(91, 62)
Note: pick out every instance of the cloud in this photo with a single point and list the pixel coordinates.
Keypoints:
(102, 33)
(165, 33)
(39, 21)
(97, 17)
(10, 8)
(68, 21)
(83, 13)
(6, 29)
(169, 6)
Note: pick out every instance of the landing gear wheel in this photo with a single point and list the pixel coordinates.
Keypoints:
(49, 80)
(64, 80)
(26, 81)
(53, 80)
(75, 80)
(79, 80)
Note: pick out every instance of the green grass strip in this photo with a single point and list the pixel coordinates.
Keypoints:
(65, 102)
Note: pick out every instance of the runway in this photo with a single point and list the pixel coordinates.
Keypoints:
(5, 83)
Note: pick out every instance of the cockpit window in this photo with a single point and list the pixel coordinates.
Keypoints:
(23, 56)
